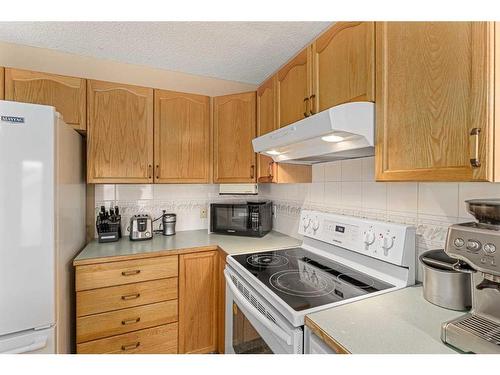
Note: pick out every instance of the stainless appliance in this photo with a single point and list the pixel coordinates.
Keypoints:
(341, 260)
(141, 227)
(253, 219)
(168, 223)
(478, 244)
(345, 131)
(446, 284)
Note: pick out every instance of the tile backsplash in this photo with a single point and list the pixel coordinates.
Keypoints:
(346, 187)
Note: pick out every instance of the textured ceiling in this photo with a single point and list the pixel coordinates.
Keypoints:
(238, 51)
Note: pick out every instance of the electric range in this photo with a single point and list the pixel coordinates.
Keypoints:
(342, 259)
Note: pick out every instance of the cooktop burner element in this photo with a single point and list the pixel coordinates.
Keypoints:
(267, 260)
(302, 284)
(305, 280)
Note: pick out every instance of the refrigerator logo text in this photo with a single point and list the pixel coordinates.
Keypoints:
(13, 119)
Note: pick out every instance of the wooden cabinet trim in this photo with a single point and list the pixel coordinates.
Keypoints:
(2, 83)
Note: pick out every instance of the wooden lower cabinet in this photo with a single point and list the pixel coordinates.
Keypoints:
(198, 285)
(2, 72)
(157, 340)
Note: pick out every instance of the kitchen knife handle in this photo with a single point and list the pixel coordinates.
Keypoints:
(311, 111)
(474, 159)
(130, 273)
(150, 171)
(306, 103)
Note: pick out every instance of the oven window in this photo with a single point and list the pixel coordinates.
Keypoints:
(246, 340)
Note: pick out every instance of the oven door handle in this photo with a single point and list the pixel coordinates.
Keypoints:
(252, 309)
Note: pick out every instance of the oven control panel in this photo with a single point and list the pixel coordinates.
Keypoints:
(391, 242)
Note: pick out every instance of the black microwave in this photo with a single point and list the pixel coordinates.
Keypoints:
(252, 219)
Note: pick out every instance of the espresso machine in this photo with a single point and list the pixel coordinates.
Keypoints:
(478, 245)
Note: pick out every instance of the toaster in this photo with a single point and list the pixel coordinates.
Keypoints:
(141, 228)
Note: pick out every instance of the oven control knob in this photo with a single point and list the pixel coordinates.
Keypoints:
(369, 237)
(387, 243)
(315, 224)
(459, 242)
(473, 245)
(306, 222)
(489, 248)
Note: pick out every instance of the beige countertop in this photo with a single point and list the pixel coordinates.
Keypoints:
(194, 240)
(400, 322)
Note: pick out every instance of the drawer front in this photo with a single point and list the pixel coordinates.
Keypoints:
(126, 272)
(107, 324)
(101, 300)
(157, 340)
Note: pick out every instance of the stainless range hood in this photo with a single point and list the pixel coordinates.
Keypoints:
(345, 131)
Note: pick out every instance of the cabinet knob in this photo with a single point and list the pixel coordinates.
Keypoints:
(131, 321)
(252, 171)
(130, 273)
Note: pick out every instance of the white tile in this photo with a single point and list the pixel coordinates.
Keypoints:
(438, 199)
(351, 194)
(402, 196)
(332, 193)
(368, 169)
(352, 170)
(104, 192)
(316, 192)
(474, 190)
(374, 195)
(318, 173)
(333, 171)
(133, 192)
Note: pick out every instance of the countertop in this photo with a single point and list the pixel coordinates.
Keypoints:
(193, 240)
(399, 322)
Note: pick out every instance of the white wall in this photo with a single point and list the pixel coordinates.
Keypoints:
(348, 187)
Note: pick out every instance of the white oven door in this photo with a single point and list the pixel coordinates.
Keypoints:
(253, 326)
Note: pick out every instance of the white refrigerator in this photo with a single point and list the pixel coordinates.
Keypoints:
(42, 227)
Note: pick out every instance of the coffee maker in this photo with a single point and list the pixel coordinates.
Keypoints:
(478, 245)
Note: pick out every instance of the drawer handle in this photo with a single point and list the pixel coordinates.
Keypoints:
(130, 273)
(131, 296)
(131, 346)
(131, 321)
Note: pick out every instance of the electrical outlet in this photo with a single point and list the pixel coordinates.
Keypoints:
(203, 213)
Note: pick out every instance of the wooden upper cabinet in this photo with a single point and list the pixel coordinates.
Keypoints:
(293, 89)
(181, 137)
(198, 302)
(120, 133)
(434, 94)
(266, 123)
(343, 65)
(2, 85)
(234, 129)
(66, 94)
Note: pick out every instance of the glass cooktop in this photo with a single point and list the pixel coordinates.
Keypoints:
(305, 280)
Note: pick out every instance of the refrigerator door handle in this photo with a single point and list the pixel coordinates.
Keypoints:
(39, 343)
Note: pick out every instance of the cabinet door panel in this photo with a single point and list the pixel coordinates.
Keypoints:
(2, 84)
(182, 137)
(234, 129)
(198, 297)
(433, 87)
(120, 134)
(293, 86)
(66, 94)
(266, 123)
(344, 65)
